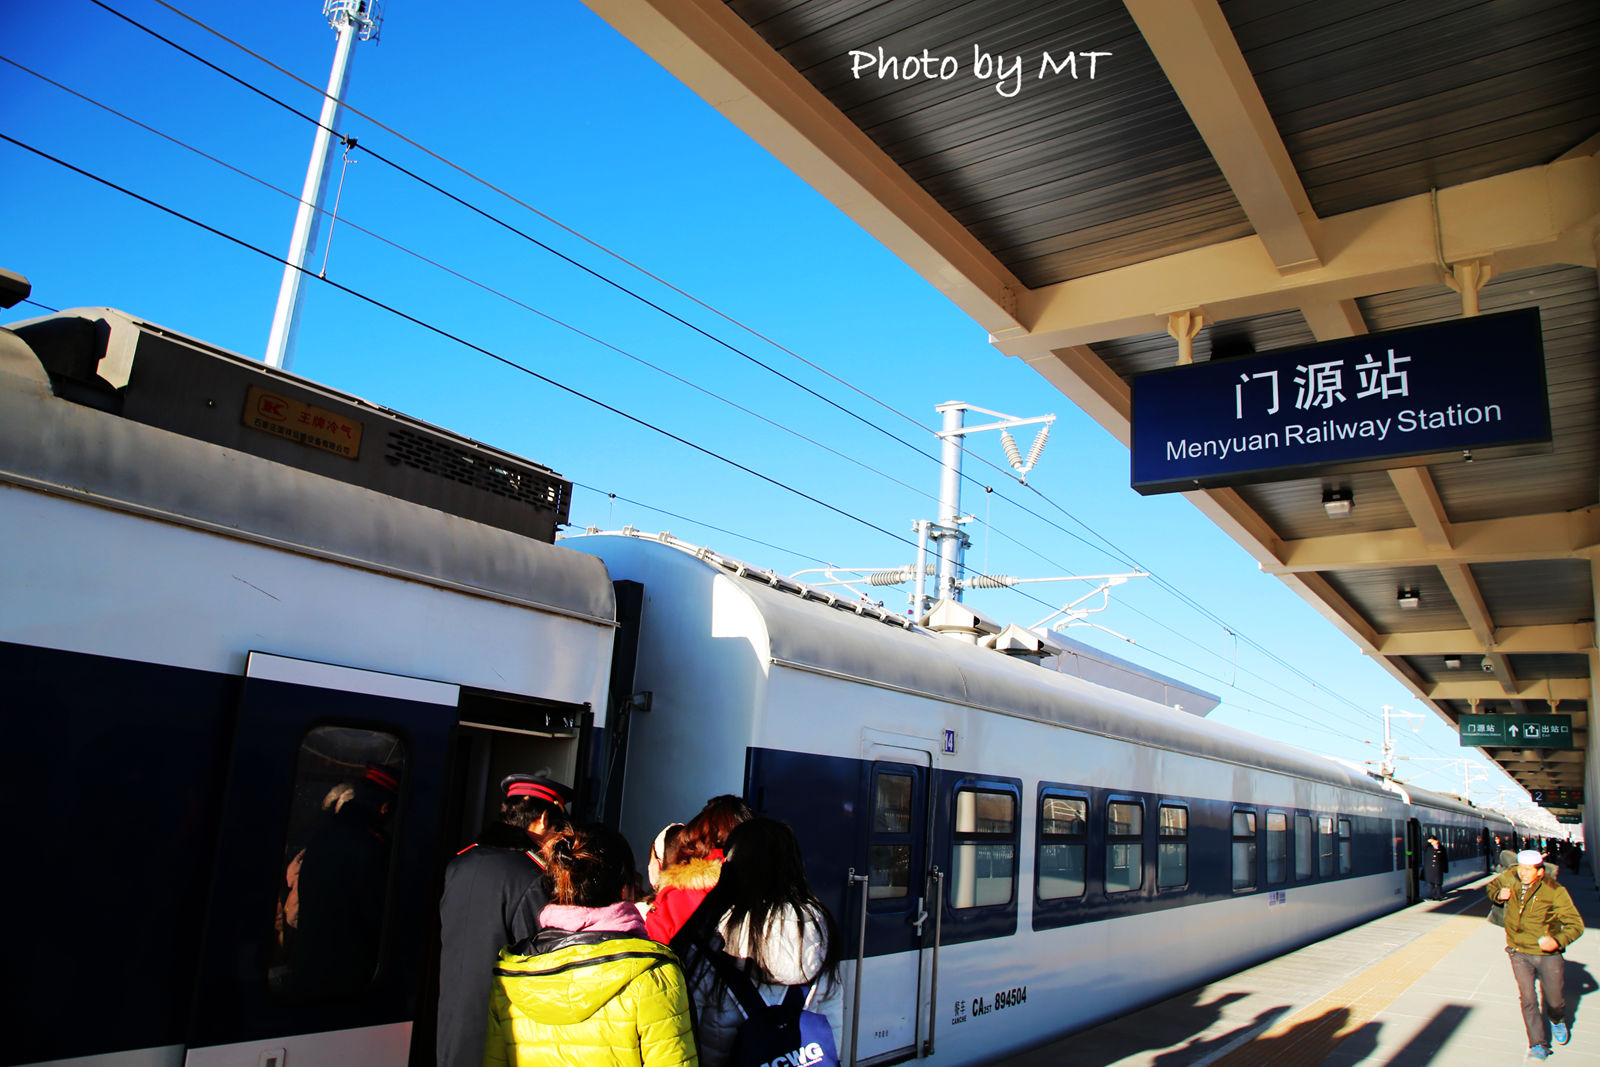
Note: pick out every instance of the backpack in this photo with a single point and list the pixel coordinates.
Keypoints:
(778, 1035)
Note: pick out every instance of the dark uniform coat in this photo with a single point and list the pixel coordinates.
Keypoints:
(493, 893)
(1434, 863)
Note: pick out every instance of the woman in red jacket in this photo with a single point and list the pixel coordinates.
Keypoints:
(694, 865)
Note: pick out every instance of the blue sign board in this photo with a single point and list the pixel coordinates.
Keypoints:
(1366, 402)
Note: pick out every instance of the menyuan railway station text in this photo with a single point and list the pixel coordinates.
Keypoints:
(1297, 435)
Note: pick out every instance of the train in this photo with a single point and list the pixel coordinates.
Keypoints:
(229, 593)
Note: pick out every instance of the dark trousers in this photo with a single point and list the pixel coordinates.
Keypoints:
(1435, 890)
(1549, 970)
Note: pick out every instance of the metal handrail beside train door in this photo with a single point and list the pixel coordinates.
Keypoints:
(935, 876)
(861, 958)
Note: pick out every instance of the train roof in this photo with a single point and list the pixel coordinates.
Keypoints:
(65, 429)
(1446, 802)
(811, 630)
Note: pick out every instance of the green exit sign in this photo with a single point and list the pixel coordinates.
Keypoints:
(1516, 731)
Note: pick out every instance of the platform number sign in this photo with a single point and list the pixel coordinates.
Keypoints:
(1557, 798)
(949, 740)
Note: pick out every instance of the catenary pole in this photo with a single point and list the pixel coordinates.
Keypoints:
(353, 20)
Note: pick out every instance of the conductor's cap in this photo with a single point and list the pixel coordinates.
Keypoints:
(538, 787)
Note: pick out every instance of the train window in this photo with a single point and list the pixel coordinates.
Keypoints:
(1172, 848)
(1063, 846)
(1124, 846)
(1277, 848)
(1302, 848)
(330, 900)
(889, 872)
(1244, 849)
(1399, 844)
(1344, 846)
(984, 848)
(1325, 845)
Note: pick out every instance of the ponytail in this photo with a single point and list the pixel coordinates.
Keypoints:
(588, 866)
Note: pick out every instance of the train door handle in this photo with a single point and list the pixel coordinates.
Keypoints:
(922, 917)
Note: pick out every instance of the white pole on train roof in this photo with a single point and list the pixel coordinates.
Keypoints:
(947, 535)
(353, 20)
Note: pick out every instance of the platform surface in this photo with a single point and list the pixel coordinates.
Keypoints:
(1429, 984)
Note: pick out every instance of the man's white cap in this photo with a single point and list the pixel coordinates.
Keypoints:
(1529, 858)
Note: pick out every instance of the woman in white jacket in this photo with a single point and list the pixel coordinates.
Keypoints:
(764, 915)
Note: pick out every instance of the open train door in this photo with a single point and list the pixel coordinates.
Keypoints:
(1413, 861)
(325, 868)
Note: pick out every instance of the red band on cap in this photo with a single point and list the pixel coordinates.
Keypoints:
(540, 792)
(379, 776)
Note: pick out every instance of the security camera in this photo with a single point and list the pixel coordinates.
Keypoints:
(1488, 668)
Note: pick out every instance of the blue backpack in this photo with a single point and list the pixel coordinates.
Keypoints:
(776, 1035)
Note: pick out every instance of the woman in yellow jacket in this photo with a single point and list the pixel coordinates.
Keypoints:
(589, 989)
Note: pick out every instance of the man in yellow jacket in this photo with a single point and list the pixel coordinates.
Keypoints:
(1541, 922)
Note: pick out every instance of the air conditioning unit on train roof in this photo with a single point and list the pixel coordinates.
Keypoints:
(1014, 640)
(136, 370)
(1093, 665)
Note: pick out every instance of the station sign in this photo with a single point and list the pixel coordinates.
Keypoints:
(1362, 403)
(1569, 818)
(1557, 798)
(1516, 731)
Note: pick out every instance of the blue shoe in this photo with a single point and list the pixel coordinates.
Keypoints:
(1538, 1052)
(1559, 1033)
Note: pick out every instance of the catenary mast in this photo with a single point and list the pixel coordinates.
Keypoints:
(353, 20)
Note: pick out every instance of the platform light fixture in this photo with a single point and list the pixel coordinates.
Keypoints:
(1453, 663)
(1409, 599)
(1337, 501)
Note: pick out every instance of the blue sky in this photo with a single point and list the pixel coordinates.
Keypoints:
(547, 103)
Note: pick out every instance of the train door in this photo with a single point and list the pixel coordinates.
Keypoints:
(324, 870)
(890, 1020)
(1413, 861)
(496, 736)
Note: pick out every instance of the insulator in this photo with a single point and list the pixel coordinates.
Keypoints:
(990, 581)
(895, 577)
(1009, 443)
(1038, 445)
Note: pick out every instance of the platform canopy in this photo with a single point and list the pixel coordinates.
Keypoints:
(1256, 175)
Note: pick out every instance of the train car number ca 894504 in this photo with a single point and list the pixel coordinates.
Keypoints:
(1000, 999)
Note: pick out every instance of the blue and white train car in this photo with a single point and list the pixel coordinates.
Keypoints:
(1031, 853)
